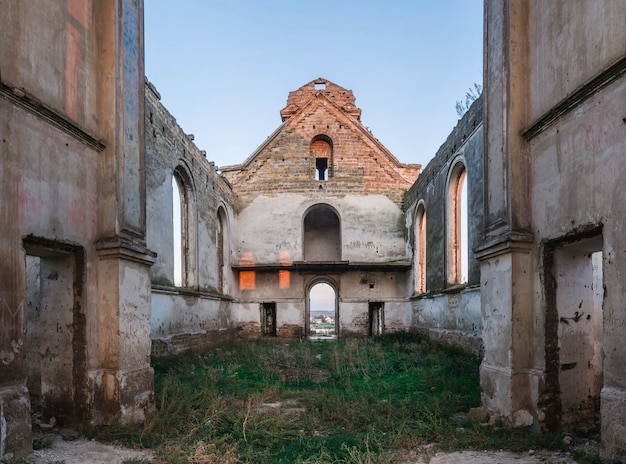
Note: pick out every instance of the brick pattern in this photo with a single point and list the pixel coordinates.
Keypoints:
(167, 146)
(286, 163)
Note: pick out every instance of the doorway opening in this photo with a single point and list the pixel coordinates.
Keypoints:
(268, 319)
(321, 315)
(574, 328)
(376, 324)
(55, 332)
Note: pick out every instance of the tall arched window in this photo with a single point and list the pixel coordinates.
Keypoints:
(457, 225)
(420, 249)
(178, 226)
(183, 224)
(222, 249)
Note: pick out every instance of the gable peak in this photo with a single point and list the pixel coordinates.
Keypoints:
(321, 88)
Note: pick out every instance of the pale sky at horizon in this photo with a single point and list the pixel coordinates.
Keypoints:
(224, 68)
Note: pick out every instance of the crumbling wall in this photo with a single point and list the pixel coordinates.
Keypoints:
(73, 328)
(445, 311)
(196, 313)
(364, 190)
(554, 219)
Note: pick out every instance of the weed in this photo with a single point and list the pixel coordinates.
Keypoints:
(42, 442)
(15, 461)
(345, 402)
(135, 461)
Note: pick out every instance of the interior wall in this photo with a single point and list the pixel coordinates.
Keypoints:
(579, 298)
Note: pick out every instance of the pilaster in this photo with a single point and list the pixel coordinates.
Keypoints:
(123, 378)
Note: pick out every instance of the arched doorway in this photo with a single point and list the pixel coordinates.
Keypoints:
(322, 309)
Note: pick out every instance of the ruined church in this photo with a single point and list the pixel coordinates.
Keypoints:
(121, 240)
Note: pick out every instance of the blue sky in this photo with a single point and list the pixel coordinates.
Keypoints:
(224, 68)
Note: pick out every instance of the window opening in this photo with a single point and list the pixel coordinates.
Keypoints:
(178, 228)
(322, 317)
(183, 230)
(420, 250)
(321, 168)
(320, 86)
(221, 250)
(458, 233)
(321, 151)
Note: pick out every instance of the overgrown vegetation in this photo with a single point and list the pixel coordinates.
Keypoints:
(470, 96)
(346, 401)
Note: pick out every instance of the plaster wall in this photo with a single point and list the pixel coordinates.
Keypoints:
(569, 43)
(57, 64)
(448, 312)
(464, 143)
(578, 170)
(355, 291)
(50, 183)
(453, 318)
(197, 313)
(270, 229)
(554, 167)
(72, 169)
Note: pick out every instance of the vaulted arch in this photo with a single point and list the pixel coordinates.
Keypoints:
(322, 234)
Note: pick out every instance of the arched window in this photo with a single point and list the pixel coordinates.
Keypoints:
(222, 249)
(457, 221)
(183, 224)
(178, 226)
(322, 234)
(321, 151)
(420, 249)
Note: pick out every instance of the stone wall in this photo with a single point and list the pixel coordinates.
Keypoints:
(364, 192)
(447, 311)
(552, 264)
(72, 220)
(195, 313)
(284, 163)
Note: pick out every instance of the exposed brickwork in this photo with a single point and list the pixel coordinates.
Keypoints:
(341, 97)
(285, 162)
(431, 188)
(167, 146)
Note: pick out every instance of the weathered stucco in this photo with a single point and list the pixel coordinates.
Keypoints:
(72, 156)
(446, 310)
(553, 262)
(89, 156)
(197, 312)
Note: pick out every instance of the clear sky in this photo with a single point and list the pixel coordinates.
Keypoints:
(224, 68)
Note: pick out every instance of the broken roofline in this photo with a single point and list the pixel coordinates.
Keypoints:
(356, 122)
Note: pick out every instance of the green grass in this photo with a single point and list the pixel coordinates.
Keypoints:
(345, 401)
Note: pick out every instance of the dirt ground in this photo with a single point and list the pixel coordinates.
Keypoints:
(83, 451)
(432, 456)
